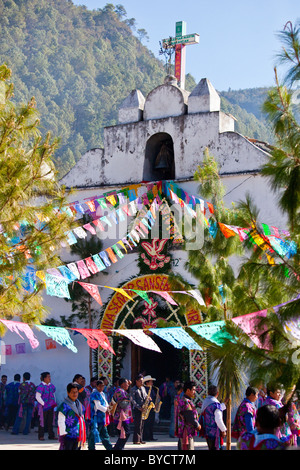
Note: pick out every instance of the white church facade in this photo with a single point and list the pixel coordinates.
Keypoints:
(160, 137)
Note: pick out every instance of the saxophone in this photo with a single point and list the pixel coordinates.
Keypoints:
(148, 405)
(158, 401)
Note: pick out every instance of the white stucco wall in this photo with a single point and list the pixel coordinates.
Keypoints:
(125, 145)
(166, 110)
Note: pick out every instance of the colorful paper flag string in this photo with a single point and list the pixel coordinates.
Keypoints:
(60, 335)
(176, 336)
(95, 338)
(139, 338)
(92, 290)
(213, 331)
(19, 327)
(251, 325)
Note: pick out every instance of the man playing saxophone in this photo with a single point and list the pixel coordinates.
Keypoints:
(153, 407)
(138, 399)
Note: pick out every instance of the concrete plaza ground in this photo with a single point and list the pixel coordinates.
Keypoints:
(31, 442)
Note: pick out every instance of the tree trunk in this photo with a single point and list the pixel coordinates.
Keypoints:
(228, 424)
(90, 349)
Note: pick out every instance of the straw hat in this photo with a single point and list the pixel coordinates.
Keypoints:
(148, 377)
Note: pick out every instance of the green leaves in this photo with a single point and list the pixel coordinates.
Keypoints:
(290, 54)
(33, 224)
(79, 64)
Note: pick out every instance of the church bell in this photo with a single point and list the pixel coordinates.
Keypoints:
(163, 158)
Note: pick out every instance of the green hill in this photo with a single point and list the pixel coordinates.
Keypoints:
(246, 106)
(80, 65)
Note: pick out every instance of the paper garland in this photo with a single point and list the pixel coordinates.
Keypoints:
(57, 280)
(109, 201)
(213, 331)
(250, 324)
(115, 215)
(82, 269)
(92, 290)
(139, 338)
(95, 338)
(269, 242)
(60, 335)
(20, 327)
(57, 286)
(112, 199)
(176, 336)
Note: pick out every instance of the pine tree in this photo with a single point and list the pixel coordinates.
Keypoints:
(257, 285)
(210, 266)
(270, 276)
(283, 167)
(33, 207)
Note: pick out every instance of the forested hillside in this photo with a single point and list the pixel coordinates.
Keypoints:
(246, 107)
(80, 65)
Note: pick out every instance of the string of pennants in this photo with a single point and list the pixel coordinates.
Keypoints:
(179, 195)
(273, 239)
(117, 214)
(57, 279)
(177, 336)
(128, 201)
(272, 234)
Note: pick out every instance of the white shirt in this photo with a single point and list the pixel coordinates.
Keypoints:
(218, 414)
(98, 406)
(38, 395)
(219, 420)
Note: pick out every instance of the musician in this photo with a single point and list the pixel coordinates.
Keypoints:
(138, 398)
(154, 394)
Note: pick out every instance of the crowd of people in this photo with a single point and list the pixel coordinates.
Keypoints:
(93, 413)
(90, 413)
(267, 419)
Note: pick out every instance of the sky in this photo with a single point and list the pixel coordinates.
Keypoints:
(238, 38)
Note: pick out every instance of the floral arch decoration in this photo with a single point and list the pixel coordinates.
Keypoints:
(123, 313)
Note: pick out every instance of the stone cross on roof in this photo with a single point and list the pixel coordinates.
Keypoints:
(179, 42)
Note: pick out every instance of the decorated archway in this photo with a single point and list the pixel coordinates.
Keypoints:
(124, 313)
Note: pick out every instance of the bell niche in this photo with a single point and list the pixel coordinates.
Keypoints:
(159, 161)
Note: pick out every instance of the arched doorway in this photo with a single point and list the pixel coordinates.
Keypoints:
(159, 163)
(122, 313)
(158, 365)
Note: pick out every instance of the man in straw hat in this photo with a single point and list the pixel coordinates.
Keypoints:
(155, 399)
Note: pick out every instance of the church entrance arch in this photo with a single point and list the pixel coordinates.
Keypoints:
(123, 313)
(159, 163)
